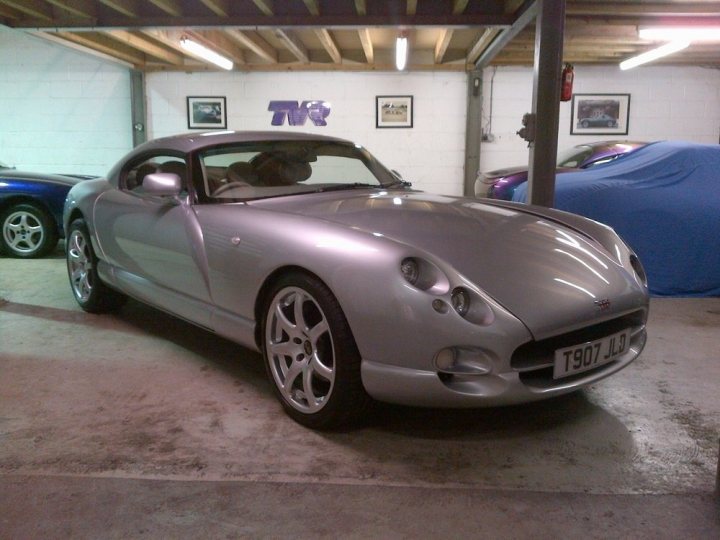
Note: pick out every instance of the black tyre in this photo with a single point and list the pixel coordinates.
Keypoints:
(28, 231)
(89, 291)
(311, 356)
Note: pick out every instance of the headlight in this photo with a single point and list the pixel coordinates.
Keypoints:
(410, 270)
(460, 301)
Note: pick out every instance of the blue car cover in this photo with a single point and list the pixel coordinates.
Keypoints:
(664, 201)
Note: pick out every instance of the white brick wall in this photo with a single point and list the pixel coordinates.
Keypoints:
(63, 111)
(666, 103)
(431, 154)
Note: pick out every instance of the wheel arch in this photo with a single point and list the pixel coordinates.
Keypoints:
(12, 200)
(262, 296)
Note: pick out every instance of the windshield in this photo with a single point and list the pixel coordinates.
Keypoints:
(573, 157)
(275, 168)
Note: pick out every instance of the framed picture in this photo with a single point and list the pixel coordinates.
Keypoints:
(206, 112)
(600, 114)
(393, 111)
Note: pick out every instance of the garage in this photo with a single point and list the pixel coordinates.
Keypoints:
(132, 422)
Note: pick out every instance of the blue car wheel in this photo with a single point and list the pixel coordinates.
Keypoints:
(28, 231)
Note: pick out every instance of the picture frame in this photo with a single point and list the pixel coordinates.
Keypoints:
(206, 112)
(393, 111)
(600, 114)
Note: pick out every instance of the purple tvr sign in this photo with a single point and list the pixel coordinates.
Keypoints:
(296, 115)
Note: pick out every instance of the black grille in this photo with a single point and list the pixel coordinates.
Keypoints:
(538, 353)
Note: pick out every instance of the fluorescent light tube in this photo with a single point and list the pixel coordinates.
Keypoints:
(205, 53)
(644, 58)
(674, 33)
(401, 52)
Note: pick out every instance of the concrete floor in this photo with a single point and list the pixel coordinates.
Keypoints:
(139, 425)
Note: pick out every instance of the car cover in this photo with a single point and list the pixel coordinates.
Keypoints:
(664, 201)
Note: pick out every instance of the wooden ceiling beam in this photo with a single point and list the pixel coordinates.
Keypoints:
(138, 42)
(361, 7)
(292, 44)
(127, 8)
(255, 43)
(312, 6)
(219, 42)
(218, 7)
(367, 44)
(482, 42)
(171, 7)
(411, 8)
(33, 8)
(265, 6)
(442, 44)
(641, 9)
(328, 42)
(78, 8)
(104, 45)
(459, 6)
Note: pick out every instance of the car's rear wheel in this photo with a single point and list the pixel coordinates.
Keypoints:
(27, 231)
(310, 354)
(87, 287)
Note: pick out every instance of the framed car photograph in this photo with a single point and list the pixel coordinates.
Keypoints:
(206, 112)
(600, 114)
(394, 111)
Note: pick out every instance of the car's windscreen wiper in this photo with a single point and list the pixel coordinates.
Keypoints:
(340, 187)
(401, 183)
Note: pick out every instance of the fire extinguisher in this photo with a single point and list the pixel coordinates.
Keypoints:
(566, 83)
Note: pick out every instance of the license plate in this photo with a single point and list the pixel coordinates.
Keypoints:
(591, 354)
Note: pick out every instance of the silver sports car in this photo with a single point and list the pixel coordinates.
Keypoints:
(351, 284)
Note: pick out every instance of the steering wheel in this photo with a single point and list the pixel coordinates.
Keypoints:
(230, 185)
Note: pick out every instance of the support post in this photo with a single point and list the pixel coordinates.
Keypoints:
(549, 31)
(137, 107)
(473, 131)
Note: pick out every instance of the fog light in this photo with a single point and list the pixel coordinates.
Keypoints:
(463, 361)
(440, 306)
(445, 359)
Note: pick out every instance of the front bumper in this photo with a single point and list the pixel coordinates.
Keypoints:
(520, 384)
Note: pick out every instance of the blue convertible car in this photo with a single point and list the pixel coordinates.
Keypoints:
(31, 206)
(664, 201)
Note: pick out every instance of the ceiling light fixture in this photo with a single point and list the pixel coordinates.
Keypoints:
(654, 54)
(206, 54)
(675, 33)
(401, 51)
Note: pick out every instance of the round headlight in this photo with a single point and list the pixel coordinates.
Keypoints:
(460, 301)
(410, 270)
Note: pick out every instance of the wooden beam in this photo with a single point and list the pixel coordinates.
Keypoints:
(367, 44)
(442, 43)
(218, 7)
(313, 6)
(317, 66)
(219, 42)
(361, 7)
(265, 6)
(79, 8)
(255, 43)
(328, 42)
(642, 9)
(137, 42)
(481, 43)
(171, 7)
(293, 44)
(459, 6)
(411, 8)
(104, 45)
(8, 12)
(508, 34)
(55, 38)
(33, 8)
(128, 8)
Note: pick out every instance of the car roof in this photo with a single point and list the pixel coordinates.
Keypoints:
(188, 142)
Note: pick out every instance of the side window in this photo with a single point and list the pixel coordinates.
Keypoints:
(135, 176)
(225, 170)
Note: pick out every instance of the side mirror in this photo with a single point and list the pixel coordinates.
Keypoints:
(162, 184)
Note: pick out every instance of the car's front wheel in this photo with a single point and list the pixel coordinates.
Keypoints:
(310, 354)
(89, 291)
(28, 231)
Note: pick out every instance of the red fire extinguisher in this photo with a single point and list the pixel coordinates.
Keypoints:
(566, 83)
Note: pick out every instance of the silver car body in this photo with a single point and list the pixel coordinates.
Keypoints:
(540, 279)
